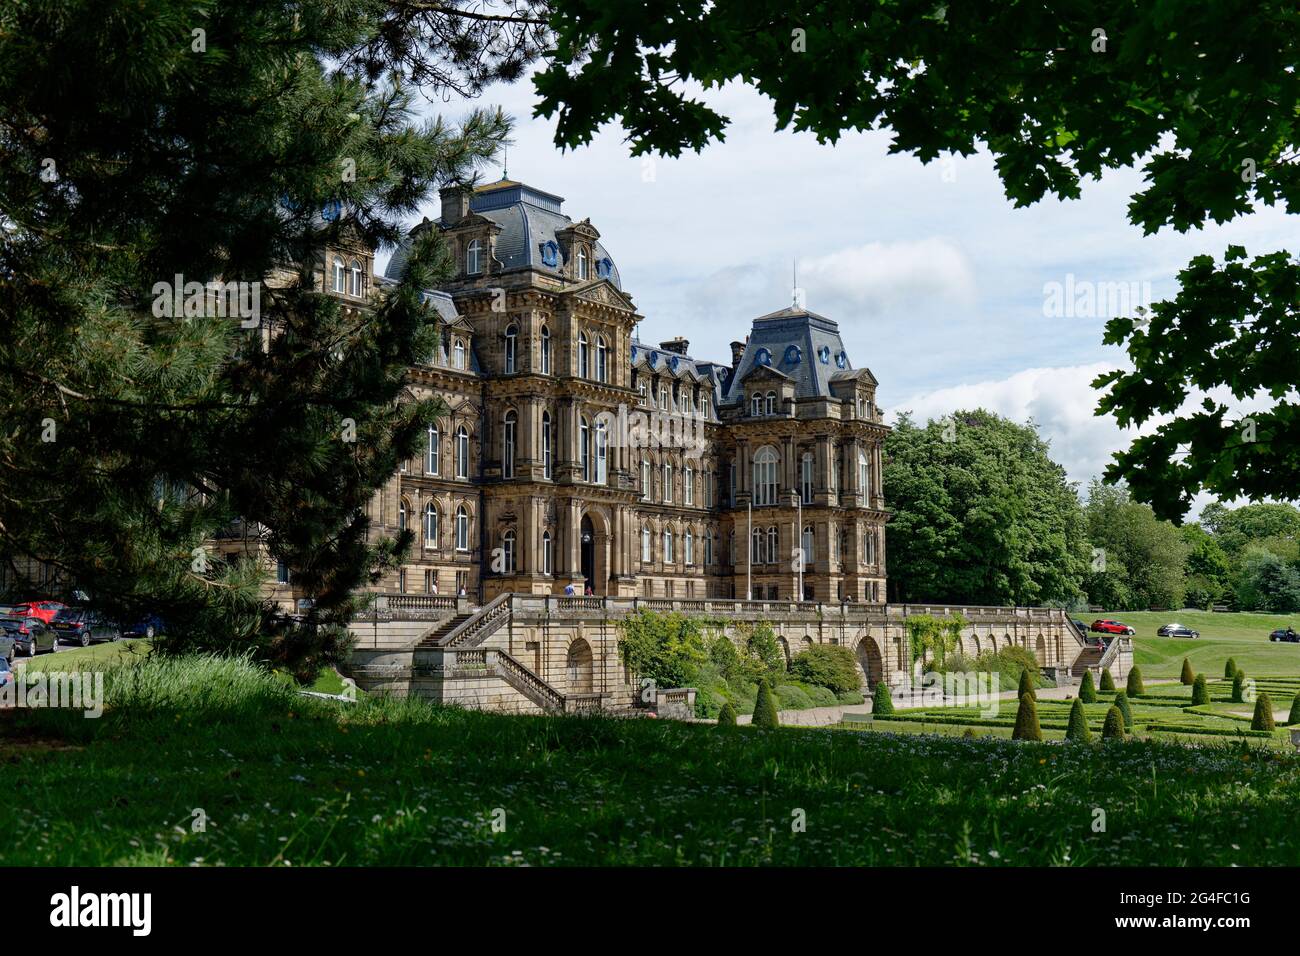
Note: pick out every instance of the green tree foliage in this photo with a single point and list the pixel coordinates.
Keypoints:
(932, 639)
(726, 715)
(1229, 669)
(765, 707)
(1026, 685)
(668, 649)
(1266, 582)
(1027, 720)
(1121, 701)
(1200, 691)
(827, 665)
(1135, 686)
(1239, 687)
(881, 702)
(146, 433)
(1209, 569)
(1235, 528)
(1077, 728)
(1293, 717)
(1060, 104)
(1263, 717)
(1087, 693)
(1107, 682)
(982, 515)
(1113, 726)
(764, 649)
(1187, 677)
(1143, 556)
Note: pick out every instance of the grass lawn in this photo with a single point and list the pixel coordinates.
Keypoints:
(1243, 637)
(280, 779)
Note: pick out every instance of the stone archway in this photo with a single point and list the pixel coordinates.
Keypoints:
(579, 668)
(785, 649)
(870, 662)
(593, 550)
(1040, 650)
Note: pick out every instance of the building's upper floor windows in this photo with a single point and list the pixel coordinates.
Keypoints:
(458, 353)
(769, 403)
(340, 276)
(793, 355)
(584, 264)
(546, 351)
(756, 404)
(602, 359)
(354, 271)
(583, 357)
(765, 469)
(763, 357)
(512, 338)
(550, 254)
(474, 257)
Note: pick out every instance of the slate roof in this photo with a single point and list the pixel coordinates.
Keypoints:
(801, 345)
(529, 218)
(653, 360)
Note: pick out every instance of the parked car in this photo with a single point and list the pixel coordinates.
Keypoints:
(44, 611)
(79, 625)
(146, 627)
(1285, 634)
(1177, 630)
(29, 634)
(1106, 626)
(1080, 627)
(6, 647)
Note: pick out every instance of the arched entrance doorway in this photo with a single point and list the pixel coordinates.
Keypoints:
(587, 553)
(1040, 650)
(870, 661)
(578, 668)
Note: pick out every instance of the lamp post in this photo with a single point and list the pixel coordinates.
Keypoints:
(749, 548)
(798, 532)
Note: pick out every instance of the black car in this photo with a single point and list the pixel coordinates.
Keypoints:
(1285, 634)
(1177, 630)
(79, 625)
(29, 634)
(1080, 627)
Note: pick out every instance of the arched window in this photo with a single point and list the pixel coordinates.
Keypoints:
(668, 546)
(646, 556)
(773, 546)
(806, 477)
(584, 266)
(474, 257)
(645, 480)
(584, 447)
(688, 485)
(354, 269)
(771, 403)
(512, 336)
(756, 405)
(807, 546)
(602, 452)
(765, 476)
(688, 548)
(431, 456)
(458, 354)
(430, 525)
(602, 353)
(402, 509)
(864, 476)
(462, 452)
(756, 547)
(546, 444)
(462, 529)
(508, 445)
(546, 351)
(508, 553)
(582, 355)
(339, 276)
(668, 483)
(546, 552)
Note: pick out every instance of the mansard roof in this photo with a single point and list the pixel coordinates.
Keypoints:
(530, 219)
(799, 344)
(651, 360)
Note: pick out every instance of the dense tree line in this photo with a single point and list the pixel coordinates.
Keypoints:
(982, 515)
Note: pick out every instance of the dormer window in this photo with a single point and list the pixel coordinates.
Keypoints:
(771, 403)
(792, 355)
(756, 405)
(339, 276)
(583, 264)
(458, 354)
(550, 254)
(841, 360)
(605, 268)
(355, 270)
(764, 357)
(474, 257)
(824, 355)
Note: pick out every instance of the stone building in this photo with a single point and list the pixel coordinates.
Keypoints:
(571, 453)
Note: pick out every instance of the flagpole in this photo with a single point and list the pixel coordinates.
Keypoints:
(749, 547)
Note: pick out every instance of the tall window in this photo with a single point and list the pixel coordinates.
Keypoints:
(582, 355)
(602, 355)
(546, 552)
(688, 486)
(663, 398)
(864, 477)
(602, 452)
(474, 257)
(401, 515)
(512, 337)
(806, 477)
(708, 548)
(583, 265)
(508, 553)
(546, 351)
(668, 546)
(704, 405)
(640, 391)
(431, 458)
(773, 546)
(546, 445)
(339, 276)
(688, 548)
(462, 529)
(756, 405)
(462, 452)
(731, 485)
(645, 480)
(508, 445)
(458, 354)
(807, 545)
(771, 403)
(765, 476)
(756, 547)
(584, 448)
(646, 556)
(430, 525)
(355, 270)
(668, 483)
(869, 547)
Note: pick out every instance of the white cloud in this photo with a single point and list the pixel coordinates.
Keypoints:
(890, 275)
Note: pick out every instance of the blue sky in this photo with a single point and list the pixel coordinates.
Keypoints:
(936, 281)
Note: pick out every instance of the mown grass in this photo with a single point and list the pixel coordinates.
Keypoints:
(1241, 636)
(280, 779)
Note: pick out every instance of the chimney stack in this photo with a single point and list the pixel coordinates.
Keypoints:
(455, 203)
(737, 351)
(678, 345)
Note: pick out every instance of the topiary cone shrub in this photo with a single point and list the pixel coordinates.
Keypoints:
(1077, 729)
(1294, 717)
(1263, 719)
(1026, 685)
(1121, 701)
(881, 702)
(1027, 720)
(1135, 685)
(1113, 726)
(1238, 687)
(727, 715)
(1107, 682)
(1200, 692)
(765, 708)
(1188, 677)
(1230, 669)
(1087, 693)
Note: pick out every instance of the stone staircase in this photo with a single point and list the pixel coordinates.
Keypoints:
(436, 636)
(1088, 659)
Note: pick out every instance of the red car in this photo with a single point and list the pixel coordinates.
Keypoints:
(1104, 626)
(41, 610)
